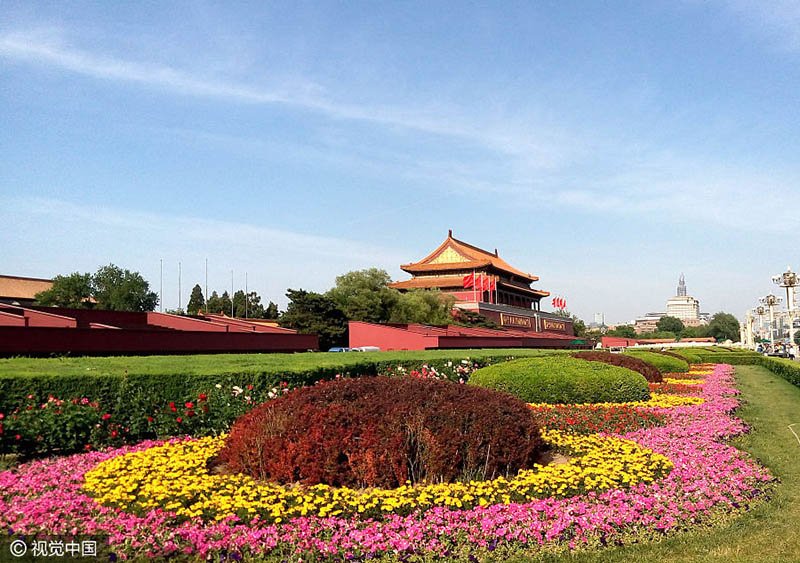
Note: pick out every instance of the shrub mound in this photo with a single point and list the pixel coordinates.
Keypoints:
(689, 355)
(563, 380)
(649, 371)
(382, 432)
(664, 363)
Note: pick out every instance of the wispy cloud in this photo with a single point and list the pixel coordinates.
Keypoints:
(48, 47)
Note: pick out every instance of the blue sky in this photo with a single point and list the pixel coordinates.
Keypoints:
(606, 147)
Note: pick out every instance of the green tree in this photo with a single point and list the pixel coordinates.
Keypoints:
(669, 324)
(116, 289)
(214, 305)
(724, 326)
(225, 303)
(624, 331)
(313, 313)
(73, 291)
(238, 304)
(255, 310)
(196, 301)
(271, 312)
(423, 306)
(364, 295)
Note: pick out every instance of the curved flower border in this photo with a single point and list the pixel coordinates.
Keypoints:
(175, 477)
(710, 481)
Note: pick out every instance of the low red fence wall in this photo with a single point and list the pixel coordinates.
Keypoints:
(109, 341)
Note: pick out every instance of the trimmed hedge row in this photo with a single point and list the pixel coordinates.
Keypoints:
(688, 354)
(783, 367)
(650, 372)
(115, 382)
(559, 379)
(665, 364)
(787, 369)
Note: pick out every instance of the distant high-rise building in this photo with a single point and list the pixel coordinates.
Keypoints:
(683, 306)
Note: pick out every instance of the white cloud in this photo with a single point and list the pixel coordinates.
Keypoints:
(47, 47)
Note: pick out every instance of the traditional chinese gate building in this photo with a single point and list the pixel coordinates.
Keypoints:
(509, 300)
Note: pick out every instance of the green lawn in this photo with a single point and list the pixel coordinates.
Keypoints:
(769, 533)
(212, 364)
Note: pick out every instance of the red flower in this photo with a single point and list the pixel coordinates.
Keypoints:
(250, 387)
(189, 413)
(149, 419)
(30, 396)
(106, 416)
(113, 433)
(2, 416)
(190, 405)
(179, 419)
(87, 447)
(203, 396)
(17, 436)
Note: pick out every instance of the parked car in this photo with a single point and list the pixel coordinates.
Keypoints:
(366, 349)
(341, 349)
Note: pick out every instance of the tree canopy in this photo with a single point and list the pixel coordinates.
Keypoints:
(73, 291)
(424, 306)
(724, 326)
(196, 301)
(110, 288)
(314, 313)
(364, 295)
(670, 324)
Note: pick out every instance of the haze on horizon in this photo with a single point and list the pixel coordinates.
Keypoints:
(605, 149)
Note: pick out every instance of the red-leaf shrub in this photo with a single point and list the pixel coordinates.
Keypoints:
(381, 432)
(649, 371)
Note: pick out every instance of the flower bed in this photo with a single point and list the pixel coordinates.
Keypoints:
(710, 481)
(174, 477)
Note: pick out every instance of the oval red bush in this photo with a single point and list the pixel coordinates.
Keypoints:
(650, 372)
(382, 432)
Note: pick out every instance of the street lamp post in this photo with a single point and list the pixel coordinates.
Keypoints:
(788, 279)
(760, 312)
(770, 301)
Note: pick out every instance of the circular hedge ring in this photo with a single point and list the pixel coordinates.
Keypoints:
(563, 380)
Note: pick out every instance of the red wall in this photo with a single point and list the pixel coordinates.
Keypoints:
(34, 340)
(387, 338)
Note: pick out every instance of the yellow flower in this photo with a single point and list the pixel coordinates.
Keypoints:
(174, 477)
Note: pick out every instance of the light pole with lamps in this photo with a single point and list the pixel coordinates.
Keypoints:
(760, 312)
(788, 279)
(770, 301)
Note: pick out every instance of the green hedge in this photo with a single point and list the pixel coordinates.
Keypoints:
(559, 379)
(787, 369)
(116, 380)
(691, 356)
(665, 364)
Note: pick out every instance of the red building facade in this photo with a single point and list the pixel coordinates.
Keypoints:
(503, 293)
